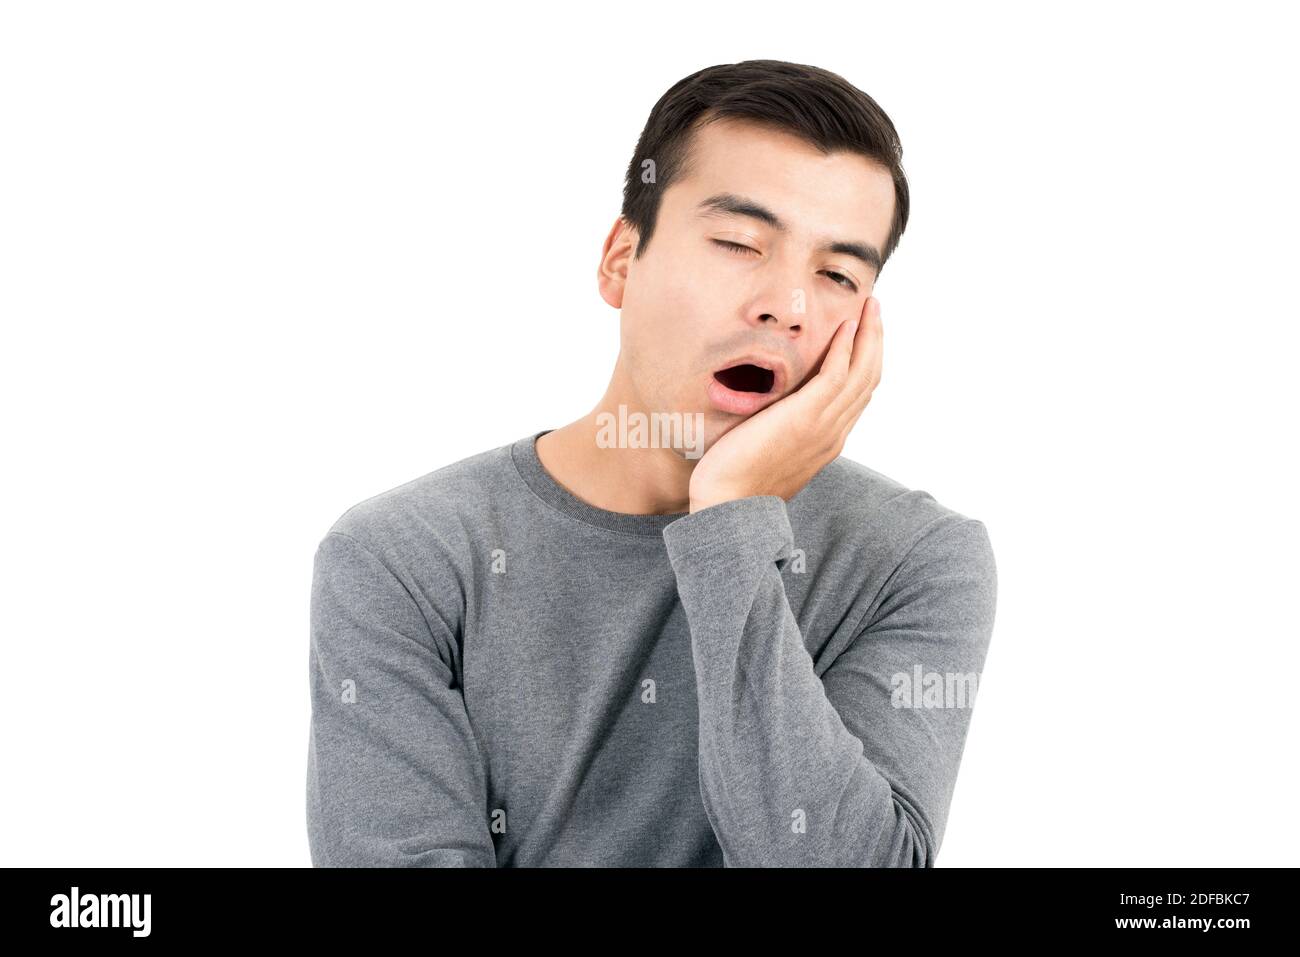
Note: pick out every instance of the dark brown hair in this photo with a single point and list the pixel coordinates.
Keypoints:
(816, 105)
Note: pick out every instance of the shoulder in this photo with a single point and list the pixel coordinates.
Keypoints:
(860, 509)
(434, 513)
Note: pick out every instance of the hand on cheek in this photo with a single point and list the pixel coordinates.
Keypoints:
(779, 449)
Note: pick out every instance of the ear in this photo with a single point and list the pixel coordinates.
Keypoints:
(615, 259)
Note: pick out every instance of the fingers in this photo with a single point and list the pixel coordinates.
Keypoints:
(851, 370)
(864, 368)
(834, 371)
(863, 374)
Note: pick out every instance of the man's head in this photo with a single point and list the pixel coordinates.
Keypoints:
(761, 201)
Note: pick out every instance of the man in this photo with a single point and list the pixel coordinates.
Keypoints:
(598, 646)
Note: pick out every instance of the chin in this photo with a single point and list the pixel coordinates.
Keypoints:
(718, 424)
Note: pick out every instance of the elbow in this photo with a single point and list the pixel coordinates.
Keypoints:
(907, 842)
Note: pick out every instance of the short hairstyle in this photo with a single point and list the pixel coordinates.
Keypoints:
(818, 106)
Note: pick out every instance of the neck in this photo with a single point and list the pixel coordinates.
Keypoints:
(635, 481)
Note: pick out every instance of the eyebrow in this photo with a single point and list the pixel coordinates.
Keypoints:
(730, 204)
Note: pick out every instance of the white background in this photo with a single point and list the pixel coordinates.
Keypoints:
(259, 261)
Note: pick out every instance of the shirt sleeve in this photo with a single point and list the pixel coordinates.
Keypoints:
(394, 773)
(854, 768)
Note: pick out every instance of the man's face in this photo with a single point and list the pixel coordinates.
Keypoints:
(692, 306)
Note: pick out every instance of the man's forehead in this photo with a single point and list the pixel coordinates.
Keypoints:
(842, 193)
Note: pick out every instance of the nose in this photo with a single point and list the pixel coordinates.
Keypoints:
(782, 306)
(776, 323)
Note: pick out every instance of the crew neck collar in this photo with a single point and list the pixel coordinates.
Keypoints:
(524, 453)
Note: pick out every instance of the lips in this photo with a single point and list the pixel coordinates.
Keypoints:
(746, 384)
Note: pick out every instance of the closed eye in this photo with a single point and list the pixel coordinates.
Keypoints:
(737, 248)
(847, 283)
(740, 249)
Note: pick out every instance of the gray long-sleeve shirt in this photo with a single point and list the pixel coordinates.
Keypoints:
(504, 675)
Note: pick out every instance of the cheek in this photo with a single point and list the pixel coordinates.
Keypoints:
(677, 271)
(815, 351)
(672, 309)
(674, 299)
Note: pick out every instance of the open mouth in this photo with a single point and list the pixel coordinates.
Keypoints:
(747, 378)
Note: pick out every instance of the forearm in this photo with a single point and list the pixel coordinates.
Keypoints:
(783, 780)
